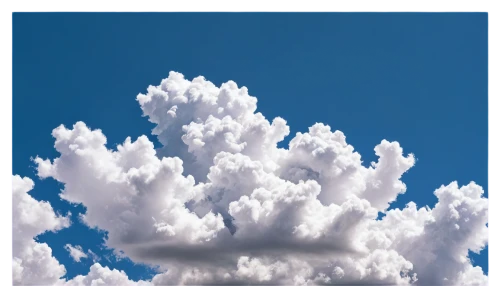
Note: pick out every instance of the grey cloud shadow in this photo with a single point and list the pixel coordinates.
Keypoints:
(227, 249)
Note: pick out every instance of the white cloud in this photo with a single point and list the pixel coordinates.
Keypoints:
(33, 261)
(221, 203)
(76, 252)
(99, 275)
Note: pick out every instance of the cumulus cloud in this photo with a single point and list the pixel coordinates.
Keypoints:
(76, 252)
(32, 261)
(221, 203)
(99, 275)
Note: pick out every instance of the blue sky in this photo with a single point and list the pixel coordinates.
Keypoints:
(420, 79)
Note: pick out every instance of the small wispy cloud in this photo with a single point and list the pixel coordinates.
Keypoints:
(92, 255)
(76, 252)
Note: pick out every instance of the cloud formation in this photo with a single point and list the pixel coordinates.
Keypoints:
(32, 262)
(221, 203)
(76, 252)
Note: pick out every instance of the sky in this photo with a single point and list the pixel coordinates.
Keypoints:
(416, 78)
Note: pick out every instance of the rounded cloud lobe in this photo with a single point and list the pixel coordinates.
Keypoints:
(221, 203)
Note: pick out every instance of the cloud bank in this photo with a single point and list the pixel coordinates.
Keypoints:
(221, 203)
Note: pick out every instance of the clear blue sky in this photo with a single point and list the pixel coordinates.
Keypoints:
(420, 79)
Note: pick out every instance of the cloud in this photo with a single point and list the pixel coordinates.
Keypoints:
(220, 203)
(99, 275)
(93, 256)
(33, 261)
(76, 252)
